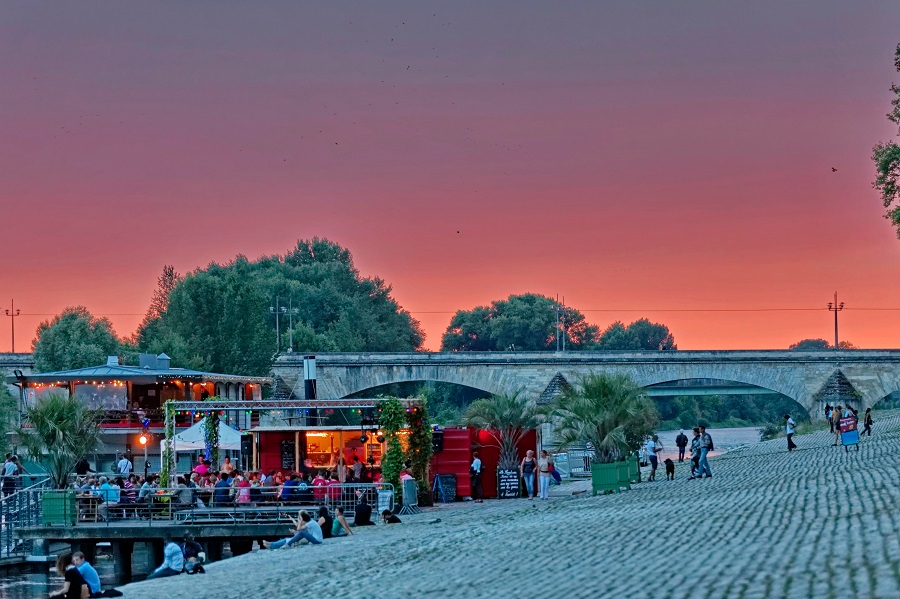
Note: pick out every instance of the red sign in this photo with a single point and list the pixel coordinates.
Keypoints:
(847, 424)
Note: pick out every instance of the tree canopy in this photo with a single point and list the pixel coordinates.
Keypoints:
(639, 335)
(73, 339)
(886, 156)
(819, 344)
(525, 322)
(218, 318)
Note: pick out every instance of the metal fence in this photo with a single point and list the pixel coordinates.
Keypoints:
(167, 506)
(18, 509)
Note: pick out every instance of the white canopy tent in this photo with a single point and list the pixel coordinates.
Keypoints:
(194, 439)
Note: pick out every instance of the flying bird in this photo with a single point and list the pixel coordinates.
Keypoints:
(833, 170)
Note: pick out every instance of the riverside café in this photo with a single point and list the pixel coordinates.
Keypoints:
(131, 396)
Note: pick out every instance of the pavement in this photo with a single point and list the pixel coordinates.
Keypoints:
(817, 522)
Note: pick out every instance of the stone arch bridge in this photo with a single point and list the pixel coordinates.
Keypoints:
(800, 375)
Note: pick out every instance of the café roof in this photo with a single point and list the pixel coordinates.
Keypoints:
(133, 374)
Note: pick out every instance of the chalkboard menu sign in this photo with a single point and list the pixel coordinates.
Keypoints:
(287, 454)
(508, 484)
(445, 488)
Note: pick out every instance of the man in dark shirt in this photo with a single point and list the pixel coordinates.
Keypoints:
(222, 492)
(191, 550)
(289, 490)
(389, 518)
(681, 441)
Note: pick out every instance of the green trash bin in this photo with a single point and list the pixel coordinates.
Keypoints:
(634, 469)
(58, 508)
(624, 470)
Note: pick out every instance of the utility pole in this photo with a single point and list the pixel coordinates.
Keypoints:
(292, 311)
(12, 313)
(835, 307)
(277, 314)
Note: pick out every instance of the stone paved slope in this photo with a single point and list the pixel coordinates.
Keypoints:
(819, 522)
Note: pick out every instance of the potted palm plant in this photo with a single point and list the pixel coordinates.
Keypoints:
(507, 419)
(613, 415)
(58, 430)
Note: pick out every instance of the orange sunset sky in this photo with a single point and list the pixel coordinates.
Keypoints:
(637, 158)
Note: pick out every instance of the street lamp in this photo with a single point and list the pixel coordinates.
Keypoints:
(143, 439)
(835, 307)
(291, 311)
(277, 312)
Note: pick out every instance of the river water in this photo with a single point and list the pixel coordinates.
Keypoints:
(723, 439)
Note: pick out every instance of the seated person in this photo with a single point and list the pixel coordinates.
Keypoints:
(340, 528)
(305, 528)
(74, 585)
(363, 515)
(388, 517)
(110, 496)
(222, 492)
(289, 491)
(87, 571)
(184, 496)
(326, 522)
(173, 560)
(193, 555)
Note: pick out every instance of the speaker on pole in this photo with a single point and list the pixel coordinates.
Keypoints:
(437, 441)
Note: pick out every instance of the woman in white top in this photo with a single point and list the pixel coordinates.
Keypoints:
(653, 448)
(545, 465)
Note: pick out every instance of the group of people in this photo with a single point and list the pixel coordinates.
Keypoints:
(834, 414)
(700, 446)
(542, 468)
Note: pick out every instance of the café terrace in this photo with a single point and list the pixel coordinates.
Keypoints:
(132, 395)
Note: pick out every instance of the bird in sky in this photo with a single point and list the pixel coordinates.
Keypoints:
(833, 170)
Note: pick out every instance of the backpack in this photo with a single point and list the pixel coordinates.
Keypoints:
(711, 446)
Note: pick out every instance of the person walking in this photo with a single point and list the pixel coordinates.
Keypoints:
(867, 422)
(653, 448)
(475, 478)
(789, 428)
(527, 468)
(706, 445)
(681, 442)
(695, 453)
(836, 424)
(828, 415)
(545, 464)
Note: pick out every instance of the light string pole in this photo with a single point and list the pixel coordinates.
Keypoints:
(835, 307)
(12, 313)
(277, 312)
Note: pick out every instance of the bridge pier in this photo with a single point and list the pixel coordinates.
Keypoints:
(122, 551)
(155, 554)
(240, 547)
(214, 551)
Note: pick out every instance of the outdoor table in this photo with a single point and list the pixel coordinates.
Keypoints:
(88, 503)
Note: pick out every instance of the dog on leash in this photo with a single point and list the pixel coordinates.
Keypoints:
(670, 469)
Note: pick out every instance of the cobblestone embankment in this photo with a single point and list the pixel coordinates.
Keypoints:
(818, 522)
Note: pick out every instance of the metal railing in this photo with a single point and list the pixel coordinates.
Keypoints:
(18, 509)
(184, 505)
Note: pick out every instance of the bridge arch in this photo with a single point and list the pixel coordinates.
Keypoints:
(356, 385)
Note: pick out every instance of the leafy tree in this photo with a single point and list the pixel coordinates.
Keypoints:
(639, 335)
(159, 303)
(73, 339)
(810, 345)
(59, 430)
(886, 156)
(609, 411)
(8, 411)
(419, 449)
(507, 419)
(218, 318)
(618, 337)
(819, 344)
(392, 420)
(525, 322)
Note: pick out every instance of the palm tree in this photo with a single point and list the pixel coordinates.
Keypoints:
(506, 418)
(611, 412)
(58, 431)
